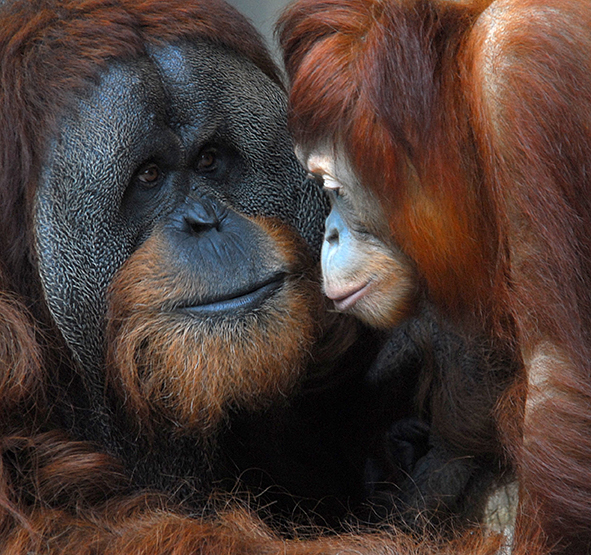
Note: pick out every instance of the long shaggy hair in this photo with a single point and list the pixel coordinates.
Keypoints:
(63, 497)
(194, 369)
(376, 80)
(471, 120)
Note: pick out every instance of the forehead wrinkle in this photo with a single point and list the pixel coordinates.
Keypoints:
(188, 102)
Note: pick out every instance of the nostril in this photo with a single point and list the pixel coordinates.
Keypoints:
(331, 236)
(200, 226)
(201, 217)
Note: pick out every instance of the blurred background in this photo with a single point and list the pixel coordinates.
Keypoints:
(263, 13)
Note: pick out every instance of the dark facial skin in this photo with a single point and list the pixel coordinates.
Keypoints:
(182, 157)
(191, 139)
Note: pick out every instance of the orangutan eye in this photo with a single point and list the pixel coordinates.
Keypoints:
(334, 189)
(149, 175)
(335, 194)
(207, 160)
(317, 178)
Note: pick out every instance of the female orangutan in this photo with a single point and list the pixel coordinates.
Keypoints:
(454, 140)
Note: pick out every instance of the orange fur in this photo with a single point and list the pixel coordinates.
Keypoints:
(84, 507)
(470, 120)
(20, 357)
(532, 115)
(99, 518)
(412, 150)
(64, 497)
(164, 361)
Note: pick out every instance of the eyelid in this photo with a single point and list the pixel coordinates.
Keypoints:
(332, 186)
(333, 193)
(141, 174)
(317, 177)
(214, 153)
(328, 181)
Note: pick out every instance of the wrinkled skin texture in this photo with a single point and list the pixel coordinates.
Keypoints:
(89, 220)
(179, 198)
(163, 240)
(171, 359)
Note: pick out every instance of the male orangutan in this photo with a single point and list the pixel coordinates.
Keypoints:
(454, 141)
(163, 335)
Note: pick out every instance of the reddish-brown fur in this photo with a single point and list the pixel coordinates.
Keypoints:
(68, 498)
(63, 496)
(84, 508)
(146, 338)
(340, 89)
(45, 61)
(532, 122)
(493, 112)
